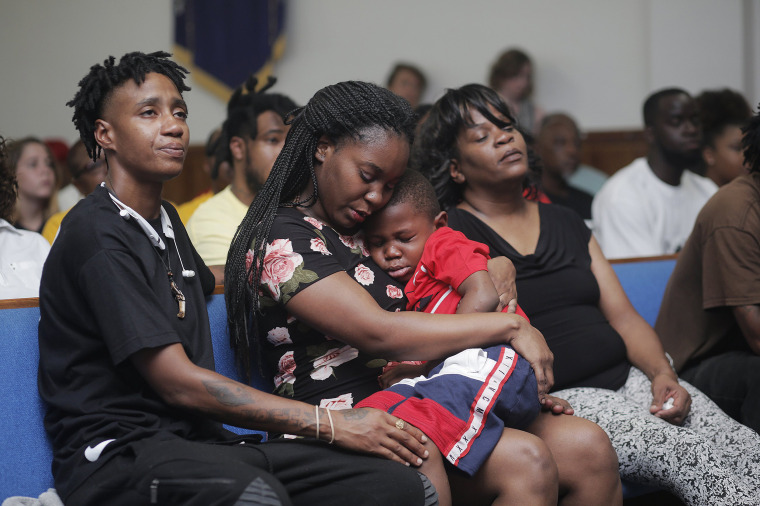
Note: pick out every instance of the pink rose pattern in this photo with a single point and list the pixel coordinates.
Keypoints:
(323, 366)
(318, 245)
(348, 241)
(280, 262)
(364, 275)
(286, 368)
(314, 222)
(359, 241)
(278, 336)
(248, 263)
(394, 292)
(283, 269)
(345, 401)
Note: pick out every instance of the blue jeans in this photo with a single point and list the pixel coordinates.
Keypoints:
(732, 381)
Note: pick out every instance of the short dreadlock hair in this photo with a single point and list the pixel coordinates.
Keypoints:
(347, 110)
(243, 109)
(751, 143)
(436, 145)
(96, 88)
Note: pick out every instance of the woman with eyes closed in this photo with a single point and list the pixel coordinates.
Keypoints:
(327, 318)
(608, 363)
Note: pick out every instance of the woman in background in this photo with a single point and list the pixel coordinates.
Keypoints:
(512, 78)
(32, 163)
(723, 113)
(22, 253)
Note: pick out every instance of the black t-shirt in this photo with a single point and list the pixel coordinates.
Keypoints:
(105, 295)
(560, 295)
(576, 199)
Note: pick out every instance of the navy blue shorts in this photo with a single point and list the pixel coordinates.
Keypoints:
(465, 402)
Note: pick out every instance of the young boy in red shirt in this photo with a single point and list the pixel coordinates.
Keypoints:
(463, 403)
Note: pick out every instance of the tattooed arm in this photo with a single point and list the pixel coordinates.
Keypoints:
(182, 384)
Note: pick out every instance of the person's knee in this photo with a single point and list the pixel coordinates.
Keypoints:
(595, 449)
(531, 463)
(257, 490)
(262, 492)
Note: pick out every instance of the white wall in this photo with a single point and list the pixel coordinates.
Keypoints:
(596, 59)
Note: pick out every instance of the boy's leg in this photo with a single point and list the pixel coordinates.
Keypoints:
(435, 470)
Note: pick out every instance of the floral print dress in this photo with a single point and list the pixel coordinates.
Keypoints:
(308, 365)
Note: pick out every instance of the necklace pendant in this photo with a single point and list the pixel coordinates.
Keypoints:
(180, 299)
(181, 313)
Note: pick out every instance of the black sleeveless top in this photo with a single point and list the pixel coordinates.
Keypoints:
(560, 295)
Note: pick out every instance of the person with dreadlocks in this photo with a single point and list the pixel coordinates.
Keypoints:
(134, 407)
(252, 137)
(304, 296)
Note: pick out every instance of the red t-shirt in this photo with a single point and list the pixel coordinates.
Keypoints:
(448, 259)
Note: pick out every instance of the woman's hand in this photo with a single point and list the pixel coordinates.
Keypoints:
(502, 272)
(373, 431)
(557, 406)
(665, 388)
(531, 345)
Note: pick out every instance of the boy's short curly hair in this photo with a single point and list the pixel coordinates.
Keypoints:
(414, 189)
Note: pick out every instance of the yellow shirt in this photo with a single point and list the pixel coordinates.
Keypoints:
(213, 225)
(187, 209)
(50, 230)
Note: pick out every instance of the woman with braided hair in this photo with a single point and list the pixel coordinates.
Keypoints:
(303, 294)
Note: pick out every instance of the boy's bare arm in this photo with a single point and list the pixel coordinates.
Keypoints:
(478, 294)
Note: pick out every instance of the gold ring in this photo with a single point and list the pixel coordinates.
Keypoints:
(400, 424)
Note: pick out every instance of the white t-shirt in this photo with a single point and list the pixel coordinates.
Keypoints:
(22, 254)
(213, 225)
(636, 214)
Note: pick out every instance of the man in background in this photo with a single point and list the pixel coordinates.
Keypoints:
(558, 144)
(252, 136)
(649, 207)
